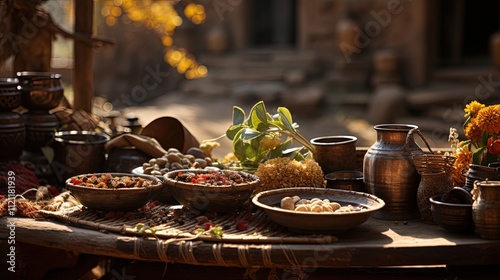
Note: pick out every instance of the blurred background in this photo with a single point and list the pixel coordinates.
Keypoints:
(340, 66)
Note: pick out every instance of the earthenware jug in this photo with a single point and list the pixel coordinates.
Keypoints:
(389, 171)
(486, 209)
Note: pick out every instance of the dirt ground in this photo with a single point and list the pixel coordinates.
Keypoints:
(208, 117)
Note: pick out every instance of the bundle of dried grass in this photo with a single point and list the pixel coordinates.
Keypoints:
(285, 173)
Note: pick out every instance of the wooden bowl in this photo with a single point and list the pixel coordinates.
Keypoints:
(454, 217)
(223, 198)
(318, 222)
(122, 199)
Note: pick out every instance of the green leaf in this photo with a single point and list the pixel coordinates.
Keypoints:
(239, 147)
(238, 115)
(286, 118)
(258, 115)
(477, 155)
(233, 130)
(250, 134)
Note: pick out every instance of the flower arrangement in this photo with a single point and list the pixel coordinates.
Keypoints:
(482, 147)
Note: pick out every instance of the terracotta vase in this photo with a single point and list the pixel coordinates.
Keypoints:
(486, 209)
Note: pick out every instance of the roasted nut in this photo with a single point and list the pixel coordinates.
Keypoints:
(201, 162)
(287, 203)
(156, 172)
(335, 206)
(303, 208)
(173, 158)
(172, 150)
(161, 161)
(175, 166)
(191, 158)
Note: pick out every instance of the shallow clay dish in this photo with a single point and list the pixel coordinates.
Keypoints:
(323, 222)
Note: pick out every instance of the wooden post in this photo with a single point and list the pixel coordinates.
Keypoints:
(83, 88)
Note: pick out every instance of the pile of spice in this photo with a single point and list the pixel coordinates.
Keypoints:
(107, 181)
(214, 178)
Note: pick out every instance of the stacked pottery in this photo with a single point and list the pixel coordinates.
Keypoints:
(40, 92)
(12, 132)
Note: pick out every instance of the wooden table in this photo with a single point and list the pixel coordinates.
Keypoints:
(375, 243)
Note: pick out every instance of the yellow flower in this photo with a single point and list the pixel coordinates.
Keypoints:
(488, 119)
(463, 160)
(473, 131)
(473, 108)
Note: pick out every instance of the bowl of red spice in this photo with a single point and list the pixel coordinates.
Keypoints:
(211, 190)
(114, 191)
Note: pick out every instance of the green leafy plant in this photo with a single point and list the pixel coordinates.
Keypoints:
(262, 136)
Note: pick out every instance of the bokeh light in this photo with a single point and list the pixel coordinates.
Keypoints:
(162, 17)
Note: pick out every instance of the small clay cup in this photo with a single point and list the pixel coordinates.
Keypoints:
(335, 153)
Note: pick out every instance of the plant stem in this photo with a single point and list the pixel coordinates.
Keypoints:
(299, 138)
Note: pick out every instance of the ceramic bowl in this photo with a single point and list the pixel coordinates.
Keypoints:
(119, 199)
(318, 222)
(222, 198)
(453, 217)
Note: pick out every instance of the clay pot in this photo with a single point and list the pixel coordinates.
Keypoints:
(478, 172)
(12, 135)
(10, 96)
(335, 153)
(78, 152)
(40, 129)
(39, 90)
(124, 159)
(486, 209)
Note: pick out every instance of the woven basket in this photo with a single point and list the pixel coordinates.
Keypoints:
(433, 163)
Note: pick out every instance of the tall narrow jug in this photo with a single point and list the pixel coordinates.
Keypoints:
(389, 171)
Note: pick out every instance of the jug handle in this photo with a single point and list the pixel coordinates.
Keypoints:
(410, 136)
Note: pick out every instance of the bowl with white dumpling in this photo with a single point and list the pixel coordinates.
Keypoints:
(317, 210)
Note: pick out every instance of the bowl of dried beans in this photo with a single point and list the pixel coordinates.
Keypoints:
(211, 190)
(113, 191)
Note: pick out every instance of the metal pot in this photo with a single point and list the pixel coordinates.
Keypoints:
(39, 90)
(389, 172)
(78, 152)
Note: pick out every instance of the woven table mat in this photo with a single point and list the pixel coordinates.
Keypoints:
(175, 222)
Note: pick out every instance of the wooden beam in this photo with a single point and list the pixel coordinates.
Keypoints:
(83, 87)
